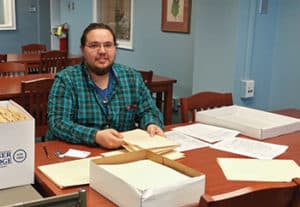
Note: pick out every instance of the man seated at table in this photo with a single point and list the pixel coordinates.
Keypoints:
(93, 102)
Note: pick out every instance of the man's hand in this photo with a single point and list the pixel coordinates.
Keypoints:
(153, 129)
(109, 138)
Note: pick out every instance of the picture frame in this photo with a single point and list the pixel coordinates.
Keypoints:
(176, 16)
(118, 14)
(7, 15)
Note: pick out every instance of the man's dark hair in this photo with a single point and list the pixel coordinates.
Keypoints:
(93, 26)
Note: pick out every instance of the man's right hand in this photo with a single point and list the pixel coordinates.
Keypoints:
(109, 138)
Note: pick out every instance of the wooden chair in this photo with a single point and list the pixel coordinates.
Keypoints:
(296, 201)
(202, 101)
(147, 76)
(3, 58)
(265, 195)
(12, 69)
(35, 101)
(33, 48)
(53, 61)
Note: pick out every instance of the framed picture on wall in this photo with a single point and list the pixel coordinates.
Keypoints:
(176, 16)
(118, 14)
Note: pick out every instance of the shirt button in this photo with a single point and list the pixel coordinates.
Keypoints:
(107, 126)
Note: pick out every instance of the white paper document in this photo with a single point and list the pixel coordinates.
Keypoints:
(185, 142)
(70, 173)
(250, 148)
(259, 170)
(207, 133)
(77, 153)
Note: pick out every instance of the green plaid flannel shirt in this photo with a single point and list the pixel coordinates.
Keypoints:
(76, 112)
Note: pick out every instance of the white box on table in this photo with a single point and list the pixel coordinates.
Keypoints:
(252, 122)
(16, 149)
(122, 193)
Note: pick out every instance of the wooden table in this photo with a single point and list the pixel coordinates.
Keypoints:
(10, 88)
(203, 160)
(34, 59)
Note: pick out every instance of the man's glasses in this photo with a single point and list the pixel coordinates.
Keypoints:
(98, 45)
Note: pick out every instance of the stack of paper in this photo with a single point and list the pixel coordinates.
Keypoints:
(139, 139)
(251, 148)
(186, 142)
(207, 133)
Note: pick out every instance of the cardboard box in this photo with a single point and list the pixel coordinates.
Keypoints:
(16, 149)
(252, 122)
(183, 193)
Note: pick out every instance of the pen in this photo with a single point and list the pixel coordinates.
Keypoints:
(46, 151)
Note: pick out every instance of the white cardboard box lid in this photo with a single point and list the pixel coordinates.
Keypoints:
(177, 194)
(251, 122)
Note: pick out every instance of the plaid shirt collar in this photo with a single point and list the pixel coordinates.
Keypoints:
(91, 83)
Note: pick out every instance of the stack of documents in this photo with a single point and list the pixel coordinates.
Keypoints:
(250, 148)
(201, 135)
(207, 133)
(185, 142)
(139, 139)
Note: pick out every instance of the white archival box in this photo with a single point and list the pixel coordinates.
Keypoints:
(123, 193)
(252, 122)
(16, 149)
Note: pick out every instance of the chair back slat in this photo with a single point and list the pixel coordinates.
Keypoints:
(53, 61)
(33, 48)
(13, 69)
(3, 58)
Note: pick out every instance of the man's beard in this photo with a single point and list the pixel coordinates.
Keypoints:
(100, 71)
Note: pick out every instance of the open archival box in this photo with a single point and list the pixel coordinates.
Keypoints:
(76, 172)
(17, 145)
(144, 178)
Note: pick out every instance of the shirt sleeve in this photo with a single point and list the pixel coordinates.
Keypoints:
(62, 113)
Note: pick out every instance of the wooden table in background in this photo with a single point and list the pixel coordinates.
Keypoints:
(34, 59)
(10, 88)
(203, 160)
(163, 87)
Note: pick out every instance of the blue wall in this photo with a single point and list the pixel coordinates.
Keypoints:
(216, 29)
(255, 50)
(229, 41)
(30, 27)
(286, 62)
(168, 54)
